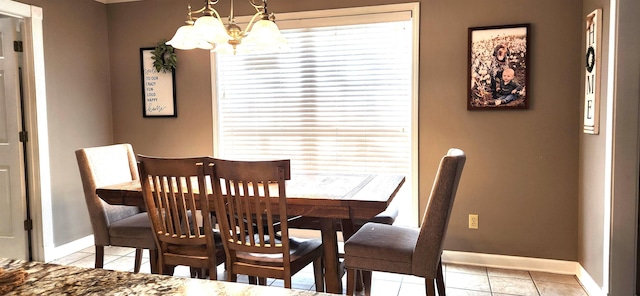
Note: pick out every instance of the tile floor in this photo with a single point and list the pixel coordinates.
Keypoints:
(461, 280)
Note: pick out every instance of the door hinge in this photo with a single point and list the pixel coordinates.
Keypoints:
(24, 136)
(17, 46)
(28, 224)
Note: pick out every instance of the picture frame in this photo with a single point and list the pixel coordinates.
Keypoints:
(158, 88)
(492, 50)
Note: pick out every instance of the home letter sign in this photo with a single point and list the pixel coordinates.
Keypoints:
(592, 73)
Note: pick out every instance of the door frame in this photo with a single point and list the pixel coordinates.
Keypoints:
(35, 105)
(623, 122)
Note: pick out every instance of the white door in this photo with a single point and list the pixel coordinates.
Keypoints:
(13, 237)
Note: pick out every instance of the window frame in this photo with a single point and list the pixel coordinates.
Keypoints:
(368, 11)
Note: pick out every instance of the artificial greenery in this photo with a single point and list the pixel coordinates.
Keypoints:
(164, 57)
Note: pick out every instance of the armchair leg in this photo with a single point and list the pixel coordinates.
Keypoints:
(138, 261)
(153, 261)
(440, 280)
(99, 256)
(351, 281)
(262, 281)
(359, 280)
(429, 285)
(366, 278)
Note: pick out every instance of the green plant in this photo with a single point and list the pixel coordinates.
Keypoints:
(164, 57)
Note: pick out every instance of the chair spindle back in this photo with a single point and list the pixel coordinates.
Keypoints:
(252, 196)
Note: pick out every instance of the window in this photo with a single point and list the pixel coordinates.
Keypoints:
(341, 100)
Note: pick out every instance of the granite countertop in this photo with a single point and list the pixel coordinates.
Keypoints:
(52, 279)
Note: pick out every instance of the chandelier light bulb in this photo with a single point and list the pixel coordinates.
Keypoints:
(207, 31)
(211, 29)
(186, 38)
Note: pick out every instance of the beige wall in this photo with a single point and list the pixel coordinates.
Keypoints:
(592, 168)
(144, 24)
(521, 171)
(76, 52)
(521, 176)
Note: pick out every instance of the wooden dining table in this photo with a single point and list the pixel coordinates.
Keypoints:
(329, 197)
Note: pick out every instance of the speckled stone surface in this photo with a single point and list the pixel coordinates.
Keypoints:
(52, 279)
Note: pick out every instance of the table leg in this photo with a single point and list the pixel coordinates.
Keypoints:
(347, 231)
(330, 248)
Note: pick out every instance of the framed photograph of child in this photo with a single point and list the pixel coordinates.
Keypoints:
(498, 67)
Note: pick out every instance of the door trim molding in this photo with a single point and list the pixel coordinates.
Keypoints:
(35, 105)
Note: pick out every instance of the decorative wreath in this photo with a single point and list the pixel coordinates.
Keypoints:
(164, 57)
(591, 59)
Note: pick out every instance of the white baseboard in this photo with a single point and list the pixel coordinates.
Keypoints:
(510, 262)
(525, 263)
(56, 252)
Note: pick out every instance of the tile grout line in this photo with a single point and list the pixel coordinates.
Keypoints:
(489, 281)
(535, 284)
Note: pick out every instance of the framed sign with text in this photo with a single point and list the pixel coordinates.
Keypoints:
(592, 72)
(158, 88)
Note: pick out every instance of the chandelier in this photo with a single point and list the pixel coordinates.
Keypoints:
(205, 30)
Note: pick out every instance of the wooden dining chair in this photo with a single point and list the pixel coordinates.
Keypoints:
(114, 225)
(251, 206)
(173, 197)
(412, 251)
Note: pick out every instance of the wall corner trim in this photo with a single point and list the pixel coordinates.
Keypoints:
(588, 283)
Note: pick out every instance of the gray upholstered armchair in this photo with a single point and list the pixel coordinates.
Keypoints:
(114, 225)
(412, 251)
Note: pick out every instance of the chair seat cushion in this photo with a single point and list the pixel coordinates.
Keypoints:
(198, 250)
(298, 248)
(134, 231)
(217, 237)
(387, 216)
(381, 247)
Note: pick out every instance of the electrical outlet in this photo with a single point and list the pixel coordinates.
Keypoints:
(473, 221)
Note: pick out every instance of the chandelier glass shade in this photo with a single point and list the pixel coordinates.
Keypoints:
(204, 29)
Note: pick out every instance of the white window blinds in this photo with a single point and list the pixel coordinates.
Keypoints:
(339, 101)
